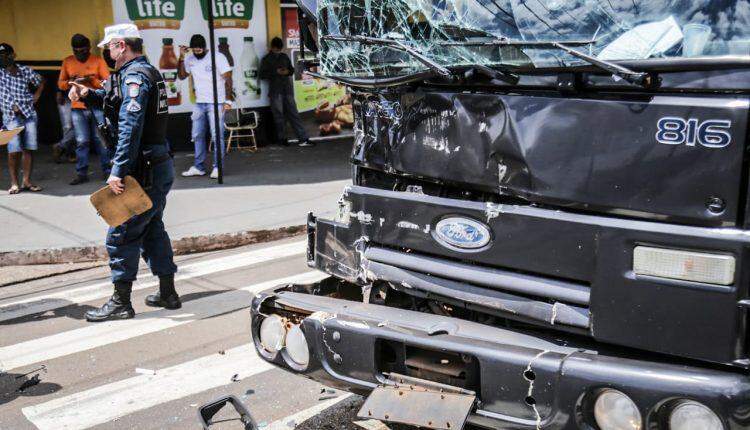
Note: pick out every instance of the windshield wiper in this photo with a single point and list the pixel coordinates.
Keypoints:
(637, 78)
(439, 70)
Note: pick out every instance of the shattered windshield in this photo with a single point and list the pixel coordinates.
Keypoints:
(462, 33)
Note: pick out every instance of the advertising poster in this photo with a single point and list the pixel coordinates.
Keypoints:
(240, 31)
(324, 105)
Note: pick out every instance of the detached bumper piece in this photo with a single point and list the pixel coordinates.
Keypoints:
(503, 379)
(417, 402)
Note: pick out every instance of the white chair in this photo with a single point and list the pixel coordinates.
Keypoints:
(241, 124)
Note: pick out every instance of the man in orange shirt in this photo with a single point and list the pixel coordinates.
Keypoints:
(91, 71)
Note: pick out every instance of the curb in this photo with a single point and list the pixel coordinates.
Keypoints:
(185, 245)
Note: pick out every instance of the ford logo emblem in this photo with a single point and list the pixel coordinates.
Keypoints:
(461, 234)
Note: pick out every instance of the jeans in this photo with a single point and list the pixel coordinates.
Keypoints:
(203, 119)
(26, 140)
(283, 107)
(144, 235)
(84, 124)
(69, 135)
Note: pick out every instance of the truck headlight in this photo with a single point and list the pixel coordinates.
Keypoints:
(272, 333)
(614, 410)
(684, 265)
(690, 415)
(296, 346)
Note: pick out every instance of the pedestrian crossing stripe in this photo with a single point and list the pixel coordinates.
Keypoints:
(47, 302)
(101, 334)
(111, 401)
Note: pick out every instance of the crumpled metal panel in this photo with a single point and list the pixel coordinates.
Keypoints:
(585, 153)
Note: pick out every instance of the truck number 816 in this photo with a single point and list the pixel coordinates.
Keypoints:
(711, 133)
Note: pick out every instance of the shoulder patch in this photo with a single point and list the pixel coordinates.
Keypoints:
(133, 106)
(133, 79)
(134, 90)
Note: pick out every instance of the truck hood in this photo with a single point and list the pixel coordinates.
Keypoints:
(676, 158)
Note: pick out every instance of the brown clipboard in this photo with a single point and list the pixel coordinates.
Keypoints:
(7, 135)
(115, 209)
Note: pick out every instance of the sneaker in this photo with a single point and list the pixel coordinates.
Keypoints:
(79, 180)
(306, 143)
(215, 173)
(193, 171)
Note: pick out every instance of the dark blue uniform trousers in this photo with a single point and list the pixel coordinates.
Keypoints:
(144, 235)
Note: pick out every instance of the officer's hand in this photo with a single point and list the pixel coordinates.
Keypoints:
(77, 91)
(115, 184)
(227, 106)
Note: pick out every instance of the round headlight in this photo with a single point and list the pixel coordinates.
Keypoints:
(272, 333)
(690, 415)
(296, 346)
(614, 410)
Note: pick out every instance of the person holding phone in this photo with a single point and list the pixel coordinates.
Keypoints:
(20, 89)
(198, 66)
(91, 71)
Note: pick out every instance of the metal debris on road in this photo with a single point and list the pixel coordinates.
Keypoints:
(34, 380)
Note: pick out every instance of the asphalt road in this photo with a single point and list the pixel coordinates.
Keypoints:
(152, 372)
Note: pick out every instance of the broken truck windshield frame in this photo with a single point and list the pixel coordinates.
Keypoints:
(535, 34)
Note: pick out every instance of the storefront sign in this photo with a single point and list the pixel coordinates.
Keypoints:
(230, 13)
(147, 14)
(168, 24)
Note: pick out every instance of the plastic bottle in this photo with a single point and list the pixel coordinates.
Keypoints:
(224, 49)
(168, 69)
(246, 82)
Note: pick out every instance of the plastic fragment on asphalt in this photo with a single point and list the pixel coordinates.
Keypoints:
(143, 371)
(34, 380)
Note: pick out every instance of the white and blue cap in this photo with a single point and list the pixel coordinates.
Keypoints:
(119, 31)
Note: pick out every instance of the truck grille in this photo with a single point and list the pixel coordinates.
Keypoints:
(505, 293)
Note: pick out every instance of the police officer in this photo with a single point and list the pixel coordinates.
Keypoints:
(135, 107)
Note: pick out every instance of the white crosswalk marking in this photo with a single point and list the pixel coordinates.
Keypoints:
(105, 403)
(42, 303)
(290, 422)
(97, 335)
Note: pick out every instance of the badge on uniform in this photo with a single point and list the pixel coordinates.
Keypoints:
(133, 90)
(133, 106)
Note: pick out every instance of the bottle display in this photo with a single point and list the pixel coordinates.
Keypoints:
(224, 49)
(168, 68)
(246, 74)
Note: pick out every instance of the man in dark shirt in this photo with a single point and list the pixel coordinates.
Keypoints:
(277, 69)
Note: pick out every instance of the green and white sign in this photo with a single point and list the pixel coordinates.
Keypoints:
(156, 13)
(229, 13)
(165, 25)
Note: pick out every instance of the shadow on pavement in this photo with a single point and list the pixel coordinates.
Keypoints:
(15, 385)
(67, 309)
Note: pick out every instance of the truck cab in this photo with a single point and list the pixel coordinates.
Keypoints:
(547, 225)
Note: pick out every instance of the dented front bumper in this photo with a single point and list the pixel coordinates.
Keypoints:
(564, 278)
(521, 381)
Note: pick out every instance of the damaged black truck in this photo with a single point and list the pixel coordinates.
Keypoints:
(548, 225)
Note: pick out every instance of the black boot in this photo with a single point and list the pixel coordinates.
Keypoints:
(167, 296)
(117, 307)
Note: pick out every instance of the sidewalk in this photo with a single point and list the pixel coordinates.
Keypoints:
(275, 187)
